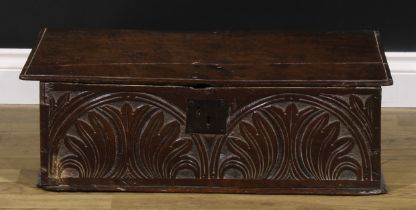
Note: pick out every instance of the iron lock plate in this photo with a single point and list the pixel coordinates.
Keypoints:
(206, 116)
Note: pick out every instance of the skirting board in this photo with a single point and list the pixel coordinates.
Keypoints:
(15, 91)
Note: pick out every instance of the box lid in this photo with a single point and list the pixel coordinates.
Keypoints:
(209, 58)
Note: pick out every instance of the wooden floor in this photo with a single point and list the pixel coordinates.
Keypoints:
(19, 162)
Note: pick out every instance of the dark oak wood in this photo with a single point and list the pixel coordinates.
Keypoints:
(217, 58)
(319, 137)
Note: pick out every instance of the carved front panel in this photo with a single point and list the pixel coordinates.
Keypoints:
(134, 135)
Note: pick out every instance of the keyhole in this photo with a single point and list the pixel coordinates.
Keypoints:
(206, 116)
(208, 122)
(198, 111)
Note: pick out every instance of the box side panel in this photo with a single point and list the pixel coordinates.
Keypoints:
(376, 147)
(277, 140)
(44, 132)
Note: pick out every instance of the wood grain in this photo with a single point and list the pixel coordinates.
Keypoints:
(19, 171)
(215, 58)
(303, 114)
(275, 140)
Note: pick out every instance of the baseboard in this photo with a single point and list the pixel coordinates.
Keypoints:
(15, 91)
(403, 70)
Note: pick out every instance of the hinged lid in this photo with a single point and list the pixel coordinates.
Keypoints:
(213, 59)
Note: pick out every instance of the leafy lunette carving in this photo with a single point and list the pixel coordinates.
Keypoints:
(121, 140)
(141, 136)
(278, 143)
(295, 136)
(257, 150)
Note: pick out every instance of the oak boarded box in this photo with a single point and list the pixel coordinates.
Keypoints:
(230, 112)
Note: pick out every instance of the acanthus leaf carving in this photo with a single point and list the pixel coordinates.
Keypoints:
(110, 133)
(141, 136)
(257, 153)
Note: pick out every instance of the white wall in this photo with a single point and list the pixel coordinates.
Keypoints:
(403, 70)
(15, 91)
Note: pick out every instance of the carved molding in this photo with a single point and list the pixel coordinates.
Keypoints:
(140, 136)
